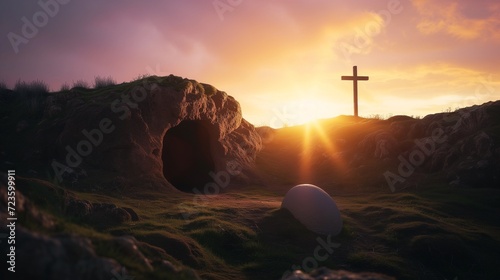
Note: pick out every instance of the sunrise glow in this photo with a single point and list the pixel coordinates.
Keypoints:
(250, 139)
(281, 60)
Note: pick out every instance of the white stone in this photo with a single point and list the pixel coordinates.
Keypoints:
(314, 208)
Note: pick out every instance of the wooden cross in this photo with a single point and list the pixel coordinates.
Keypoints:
(355, 78)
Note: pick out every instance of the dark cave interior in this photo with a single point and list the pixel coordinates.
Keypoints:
(187, 157)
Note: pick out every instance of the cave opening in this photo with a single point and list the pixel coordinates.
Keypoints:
(187, 157)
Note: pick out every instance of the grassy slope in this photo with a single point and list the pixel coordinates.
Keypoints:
(435, 234)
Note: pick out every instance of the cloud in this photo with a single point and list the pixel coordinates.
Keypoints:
(426, 87)
(91, 38)
(267, 54)
(462, 19)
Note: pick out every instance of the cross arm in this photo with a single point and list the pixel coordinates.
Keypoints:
(359, 78)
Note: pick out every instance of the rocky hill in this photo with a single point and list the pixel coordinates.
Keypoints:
(460, 148)
(156, 131)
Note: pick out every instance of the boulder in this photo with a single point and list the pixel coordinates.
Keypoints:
(26, 209)
(133, 215)
(127, 245)
(61, 257)
(76, 207)
(97, 213)
(109, 213)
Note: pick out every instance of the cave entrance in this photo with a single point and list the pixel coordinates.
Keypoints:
(187, 157)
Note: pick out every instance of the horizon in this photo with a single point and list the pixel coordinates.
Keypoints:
(281, 61)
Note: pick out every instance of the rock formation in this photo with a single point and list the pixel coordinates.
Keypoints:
(155, 132)
(462, 146)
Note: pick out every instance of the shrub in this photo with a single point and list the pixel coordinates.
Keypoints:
(376, 117)
(64, 87)
(3, 88)
(103, 82)
(32, 95)
(80, 84)
(35, 87)
(141, 76)
(20, 86)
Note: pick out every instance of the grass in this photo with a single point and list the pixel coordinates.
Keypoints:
(141, 76)
(64, 87)
(244, 235)
(33, 87)
(31, 96)
(100, 82)
(430, 232)
(106, 94)
(81, 84)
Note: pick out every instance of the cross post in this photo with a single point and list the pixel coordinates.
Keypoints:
(355, 78)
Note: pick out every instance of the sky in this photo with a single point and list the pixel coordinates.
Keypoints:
(281, 59)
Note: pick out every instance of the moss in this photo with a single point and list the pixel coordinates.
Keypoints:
(403, 234)
(233, 246)
(45, 195)
(382, 262)
(105, 247)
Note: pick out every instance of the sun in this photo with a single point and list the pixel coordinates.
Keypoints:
(302, 111)
(310, 110)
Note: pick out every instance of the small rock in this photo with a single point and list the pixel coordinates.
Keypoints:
(299, 275)
(120, 215)
(127, 245)
(132, 213)
(78, 208)
(108, 212)
(327, 274)
(27, 208)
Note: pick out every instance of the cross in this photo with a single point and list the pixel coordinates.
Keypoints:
(355, 78)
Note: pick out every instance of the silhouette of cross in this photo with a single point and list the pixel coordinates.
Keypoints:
(355, 78)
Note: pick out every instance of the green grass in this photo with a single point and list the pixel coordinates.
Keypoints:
(434, 234)
(429, 232)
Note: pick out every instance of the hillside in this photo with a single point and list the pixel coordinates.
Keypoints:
(419, 197)
(346, 154)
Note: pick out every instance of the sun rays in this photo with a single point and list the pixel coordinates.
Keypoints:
(319, 151)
